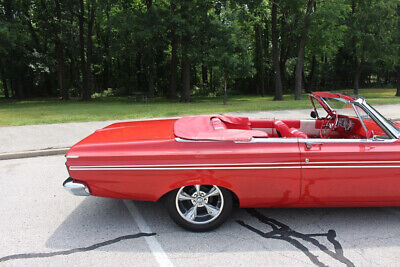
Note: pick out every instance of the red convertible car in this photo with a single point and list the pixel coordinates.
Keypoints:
(346, 155)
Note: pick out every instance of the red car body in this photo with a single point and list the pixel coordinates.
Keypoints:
(144, 160)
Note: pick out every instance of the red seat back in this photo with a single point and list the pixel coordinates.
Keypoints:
(282, 128)
(296, 133)
(285, 131)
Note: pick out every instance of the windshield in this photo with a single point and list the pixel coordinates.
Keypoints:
(388, 123)
(342, 106)
(370, 120)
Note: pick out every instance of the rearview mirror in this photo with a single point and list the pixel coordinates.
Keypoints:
(313, 114)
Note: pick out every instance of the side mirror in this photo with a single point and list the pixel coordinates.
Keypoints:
(313, 114)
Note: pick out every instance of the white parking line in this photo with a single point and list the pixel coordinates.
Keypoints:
(154, 245)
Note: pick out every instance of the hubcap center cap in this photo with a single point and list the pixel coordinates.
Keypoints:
(199, 200)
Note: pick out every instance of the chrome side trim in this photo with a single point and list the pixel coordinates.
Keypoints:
(316, 140)
(72, 157)
(187, 165)
(305, 165)
(231, 165)
(370, 141)
(269, 140)
(355, 162)
(351, 167)
(178, 139)
(239, 168)
(75, 188)
(181, 168)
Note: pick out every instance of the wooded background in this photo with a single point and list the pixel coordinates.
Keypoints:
(177, 49)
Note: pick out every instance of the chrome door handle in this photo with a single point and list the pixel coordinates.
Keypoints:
(310, 144)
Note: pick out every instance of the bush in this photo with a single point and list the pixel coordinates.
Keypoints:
(105, 93)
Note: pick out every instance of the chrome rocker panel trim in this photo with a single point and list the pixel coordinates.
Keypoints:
(75, 188)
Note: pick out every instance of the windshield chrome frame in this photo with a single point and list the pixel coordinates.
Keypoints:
(359, 118)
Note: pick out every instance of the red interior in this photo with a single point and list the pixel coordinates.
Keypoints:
(225, 128)
(219, 128)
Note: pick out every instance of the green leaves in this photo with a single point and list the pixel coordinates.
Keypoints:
(132, 44)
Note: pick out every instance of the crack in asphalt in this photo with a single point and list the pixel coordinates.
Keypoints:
(74, 250)
(281, 231)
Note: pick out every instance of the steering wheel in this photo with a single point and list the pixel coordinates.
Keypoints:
(328, 123)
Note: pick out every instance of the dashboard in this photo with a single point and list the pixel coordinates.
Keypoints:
(345, 123)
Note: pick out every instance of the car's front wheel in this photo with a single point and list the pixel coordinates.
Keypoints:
(200, 207)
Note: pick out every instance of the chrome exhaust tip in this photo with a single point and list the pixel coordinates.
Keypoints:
(75, 188)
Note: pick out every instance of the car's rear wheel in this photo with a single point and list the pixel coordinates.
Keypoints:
(200, 207)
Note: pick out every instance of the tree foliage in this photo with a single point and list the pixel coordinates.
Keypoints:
(176, 49)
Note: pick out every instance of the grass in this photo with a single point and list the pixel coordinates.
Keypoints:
(44, 111)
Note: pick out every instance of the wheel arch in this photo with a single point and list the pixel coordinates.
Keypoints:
(235, 197)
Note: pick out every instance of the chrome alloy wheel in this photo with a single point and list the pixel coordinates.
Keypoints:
(199, 204)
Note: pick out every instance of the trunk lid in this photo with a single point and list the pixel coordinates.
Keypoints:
(131, 131)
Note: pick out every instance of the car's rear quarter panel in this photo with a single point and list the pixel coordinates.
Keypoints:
(191, 163)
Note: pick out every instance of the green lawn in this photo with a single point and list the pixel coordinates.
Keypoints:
(54, 111)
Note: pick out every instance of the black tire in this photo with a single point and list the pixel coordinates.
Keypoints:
(225, 211)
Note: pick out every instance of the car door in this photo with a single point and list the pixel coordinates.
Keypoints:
(350, 171)
(264, 172)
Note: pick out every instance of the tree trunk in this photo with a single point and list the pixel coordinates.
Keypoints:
(259, 60)
(150, 77)
(275, 52)
(174, 64)
(107, 63)
(139, 72)
(186, 79)
(225, 93)
(60, 72)
(150, 54)
(310, 83)
(5, 87)
(300, 54)
(204, 75)
(60, 55)
(89, 52)
(267, 56)
(357, 75)
(85, 85)
(398, 81)
(211, 80)
(4, 80)
(19, 90)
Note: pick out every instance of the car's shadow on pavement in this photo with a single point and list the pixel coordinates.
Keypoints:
(94, 220)
(328, 231)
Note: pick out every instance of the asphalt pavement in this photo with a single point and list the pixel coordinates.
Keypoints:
(43, 225)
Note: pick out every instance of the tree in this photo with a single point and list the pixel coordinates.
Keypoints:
(85, 90)
(174, 53)
(275, 52)
(300, 54)
(326, 36)
(229, 53)
(198, 47)
(396, 43)
(369, 33)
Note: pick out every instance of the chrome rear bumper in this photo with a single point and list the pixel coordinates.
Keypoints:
(76, 188)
